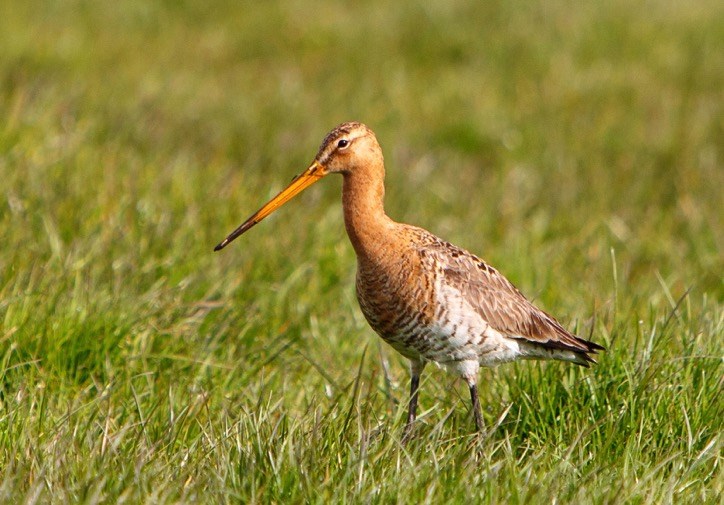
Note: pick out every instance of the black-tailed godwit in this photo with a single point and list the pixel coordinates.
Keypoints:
(430, 300)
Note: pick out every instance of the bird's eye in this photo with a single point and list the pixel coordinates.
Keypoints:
(342, 143)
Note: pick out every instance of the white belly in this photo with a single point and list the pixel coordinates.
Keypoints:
(460, 334)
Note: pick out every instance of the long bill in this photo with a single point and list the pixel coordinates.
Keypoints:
(298, 184)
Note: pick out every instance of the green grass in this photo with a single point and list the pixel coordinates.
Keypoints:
(577, 146)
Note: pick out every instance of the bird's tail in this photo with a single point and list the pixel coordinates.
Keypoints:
(579, 351)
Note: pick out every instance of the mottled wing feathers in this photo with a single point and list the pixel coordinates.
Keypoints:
(495, 298)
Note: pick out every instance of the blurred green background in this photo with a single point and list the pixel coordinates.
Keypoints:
(576, 146)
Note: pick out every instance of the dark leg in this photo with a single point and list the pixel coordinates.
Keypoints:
(476, 408)
(415, 371)
(412, 410)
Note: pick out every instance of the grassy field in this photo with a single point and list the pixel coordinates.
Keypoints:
(577, 146)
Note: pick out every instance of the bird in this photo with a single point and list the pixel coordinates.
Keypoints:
(431, 301)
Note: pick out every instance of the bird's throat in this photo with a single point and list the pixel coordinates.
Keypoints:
(367, 224)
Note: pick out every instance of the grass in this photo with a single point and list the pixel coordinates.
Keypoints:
(576, 146)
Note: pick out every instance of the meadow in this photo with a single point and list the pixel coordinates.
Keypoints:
(576, 146)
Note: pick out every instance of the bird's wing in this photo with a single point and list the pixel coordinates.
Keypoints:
(497, 301)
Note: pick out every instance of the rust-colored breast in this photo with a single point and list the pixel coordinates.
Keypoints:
(396, 294)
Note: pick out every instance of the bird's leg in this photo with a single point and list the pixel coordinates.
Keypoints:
(415, 371)
(476, 407)
(412, 410)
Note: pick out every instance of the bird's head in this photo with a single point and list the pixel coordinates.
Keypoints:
(347, 149)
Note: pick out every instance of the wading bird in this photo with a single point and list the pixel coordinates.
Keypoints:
(430, 300)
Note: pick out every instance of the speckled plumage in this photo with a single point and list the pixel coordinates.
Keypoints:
(430, 300)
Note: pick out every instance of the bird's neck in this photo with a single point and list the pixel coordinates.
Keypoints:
(367, 225)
